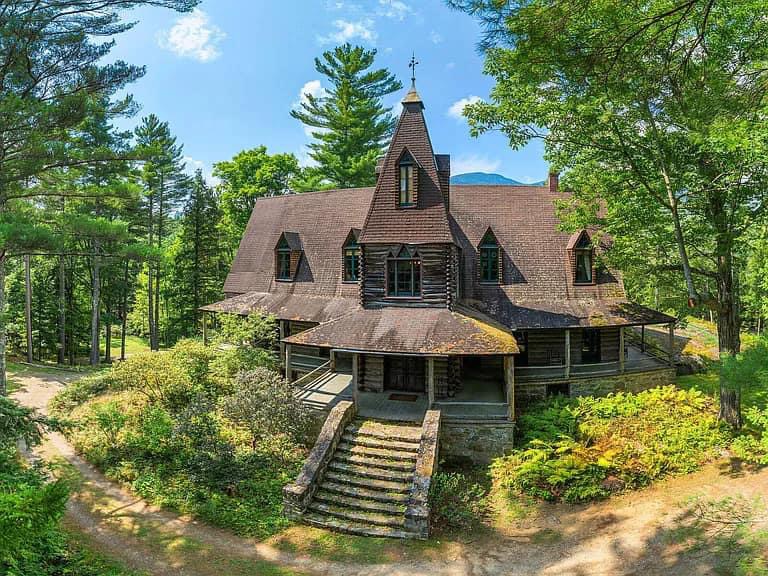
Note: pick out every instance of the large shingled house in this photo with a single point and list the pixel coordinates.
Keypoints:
(416, 296)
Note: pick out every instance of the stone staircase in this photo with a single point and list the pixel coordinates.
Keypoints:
(367, 483)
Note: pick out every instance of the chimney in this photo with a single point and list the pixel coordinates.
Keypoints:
(554, 181)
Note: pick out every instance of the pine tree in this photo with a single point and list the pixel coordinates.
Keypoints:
(165, 181)
(351, 125)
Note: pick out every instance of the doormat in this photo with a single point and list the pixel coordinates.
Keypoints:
(404, 397)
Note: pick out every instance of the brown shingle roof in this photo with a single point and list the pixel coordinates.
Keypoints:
(300, 307)
(416, 331)
(319, 223)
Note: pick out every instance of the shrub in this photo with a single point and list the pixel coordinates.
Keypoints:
(456, 502)
(255, 330)
(265, 405)
(78, 392)
(752, 446)
(590, 447)
(159, 376)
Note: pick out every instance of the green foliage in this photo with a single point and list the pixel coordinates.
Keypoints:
(351, 125)
(265, 404)
(752, 445)
(157, 423)
(255, 330)
(586, 448)
(748, 372)
(457, 502)
(250, 175)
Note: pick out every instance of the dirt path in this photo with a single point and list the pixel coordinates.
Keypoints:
(627, 535)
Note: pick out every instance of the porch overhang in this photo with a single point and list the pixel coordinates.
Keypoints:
(423, 331)
(569, 313)
(285, 306)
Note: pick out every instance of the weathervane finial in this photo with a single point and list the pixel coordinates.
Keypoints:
(412, 66)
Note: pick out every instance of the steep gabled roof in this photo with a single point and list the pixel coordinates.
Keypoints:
(428, 221)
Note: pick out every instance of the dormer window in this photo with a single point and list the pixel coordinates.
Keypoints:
(489, 259)
(287, 256)
(408, 181)
(585, 261)
(351, 257)
(404, 274)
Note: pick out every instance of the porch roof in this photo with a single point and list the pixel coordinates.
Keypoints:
(433, 331)
(285, 306)
(568, 313)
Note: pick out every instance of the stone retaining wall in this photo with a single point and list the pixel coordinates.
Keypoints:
(479, 441)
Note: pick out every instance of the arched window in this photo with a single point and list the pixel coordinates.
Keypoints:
(408, 171)
(283, 271)
(584, 255)
(351, 259)
(489, 259)
(404, 273)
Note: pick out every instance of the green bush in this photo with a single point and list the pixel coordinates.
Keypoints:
(158, 422)
(79, 392)
(456, 502)
(586, 448)
(752, 446)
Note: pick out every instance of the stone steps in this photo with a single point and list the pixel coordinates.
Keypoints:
(366, 487)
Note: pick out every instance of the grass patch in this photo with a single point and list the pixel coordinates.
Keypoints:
(133, 345)
(84, 560)
(335, 547)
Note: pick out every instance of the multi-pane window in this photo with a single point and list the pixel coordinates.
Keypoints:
(406, 183)
(489, 259)
(351, 261)
(404, 275)
(283, 260)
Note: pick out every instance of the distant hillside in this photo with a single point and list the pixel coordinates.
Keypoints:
(485, 178)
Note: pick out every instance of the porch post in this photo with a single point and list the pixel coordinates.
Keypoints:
(567, 353)
(621, 349)
(509, 380)
(205, 328)
(288, 362)
(642, 338)
(671, 343)
(281, 328)
(333, 360)
(355, 376)
(431, 381)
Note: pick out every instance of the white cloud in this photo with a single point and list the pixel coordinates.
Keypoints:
(313, 88)
(396, 9)
(193, 36)
(193, 166)
(436, 37)
(457, 108)
(474, 163)
(347, 30)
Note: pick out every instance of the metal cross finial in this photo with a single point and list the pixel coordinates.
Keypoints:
(412, 66)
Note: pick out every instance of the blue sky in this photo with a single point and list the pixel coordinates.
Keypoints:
(226, 76)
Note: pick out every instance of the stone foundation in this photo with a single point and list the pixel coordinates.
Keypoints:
(480, 442)
(629, 382)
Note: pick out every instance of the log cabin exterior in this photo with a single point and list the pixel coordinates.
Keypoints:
(467, 297)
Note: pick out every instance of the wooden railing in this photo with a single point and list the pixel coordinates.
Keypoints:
(321, 370)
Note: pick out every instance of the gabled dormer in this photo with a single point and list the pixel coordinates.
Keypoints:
(350, 257)
(288, 253)
(489, 259)
(409, 205)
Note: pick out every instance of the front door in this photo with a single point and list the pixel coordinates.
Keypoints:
(404, 373)
(590, 351)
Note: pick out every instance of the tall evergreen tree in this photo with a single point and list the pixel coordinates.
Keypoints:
(165, 182)
(197, 259)
(351, 126)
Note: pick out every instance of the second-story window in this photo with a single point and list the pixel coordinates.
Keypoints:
(404, 274)
(351, 261)
(584, 260)
(407, 182)
(283, 260)
(489, 259)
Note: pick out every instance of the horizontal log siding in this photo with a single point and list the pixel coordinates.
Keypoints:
(544, 346)
(371, 372)
(609, 344)
(435, 262)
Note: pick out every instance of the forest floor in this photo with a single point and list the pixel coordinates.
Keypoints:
(653, 531)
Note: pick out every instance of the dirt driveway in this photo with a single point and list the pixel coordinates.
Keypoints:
(631, 534)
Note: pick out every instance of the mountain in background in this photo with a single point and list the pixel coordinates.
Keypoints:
(485, 178)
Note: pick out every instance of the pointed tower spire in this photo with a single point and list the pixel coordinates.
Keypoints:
(412, 97)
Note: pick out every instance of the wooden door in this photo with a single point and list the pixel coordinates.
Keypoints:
(404, 373)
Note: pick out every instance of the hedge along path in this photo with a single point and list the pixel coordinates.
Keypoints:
(631, 534)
